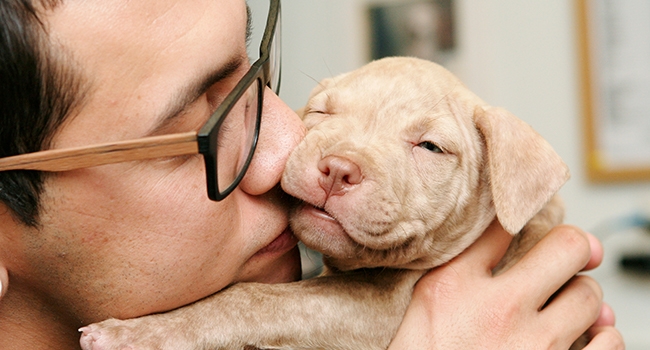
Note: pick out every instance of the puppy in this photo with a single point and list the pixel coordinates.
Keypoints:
(401, 170)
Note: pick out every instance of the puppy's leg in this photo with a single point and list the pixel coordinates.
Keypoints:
(358, 310)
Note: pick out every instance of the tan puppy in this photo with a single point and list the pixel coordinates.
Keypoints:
(402, 167)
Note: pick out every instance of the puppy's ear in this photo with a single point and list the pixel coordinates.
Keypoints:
(525, 172)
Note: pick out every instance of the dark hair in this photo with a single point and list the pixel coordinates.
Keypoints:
(38, 90)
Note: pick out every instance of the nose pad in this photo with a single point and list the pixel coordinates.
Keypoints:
(338, 175)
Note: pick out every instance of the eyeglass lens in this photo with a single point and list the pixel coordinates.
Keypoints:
(275, 56)
(236, 137)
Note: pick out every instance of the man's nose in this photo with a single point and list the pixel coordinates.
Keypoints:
(280, 132)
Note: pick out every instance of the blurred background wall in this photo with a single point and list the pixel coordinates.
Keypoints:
(521, 55)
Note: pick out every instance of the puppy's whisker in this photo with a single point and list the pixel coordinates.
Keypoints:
(311, 78)
(328, 67)
(446, 95)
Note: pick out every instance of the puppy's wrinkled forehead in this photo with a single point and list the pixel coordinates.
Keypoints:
(415, 96)
(417, 85)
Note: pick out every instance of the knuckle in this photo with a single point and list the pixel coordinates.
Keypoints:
(508, 313)
(605, 338)
(587, 292)
(441, 284)
(573, 239)
(615, 339)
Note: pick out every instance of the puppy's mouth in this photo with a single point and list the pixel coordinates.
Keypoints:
(323, 218)
(321, 213)
(319, 229)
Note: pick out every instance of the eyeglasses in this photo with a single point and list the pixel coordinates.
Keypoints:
(227, 141)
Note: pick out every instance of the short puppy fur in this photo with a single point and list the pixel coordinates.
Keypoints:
(401, 170)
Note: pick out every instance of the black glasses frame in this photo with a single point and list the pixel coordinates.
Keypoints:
(259, 73)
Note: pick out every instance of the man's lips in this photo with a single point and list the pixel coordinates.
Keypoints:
(284, 242)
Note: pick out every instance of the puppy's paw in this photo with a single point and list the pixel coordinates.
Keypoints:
(144, 333)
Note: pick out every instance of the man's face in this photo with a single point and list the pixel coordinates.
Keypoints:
(139, 237)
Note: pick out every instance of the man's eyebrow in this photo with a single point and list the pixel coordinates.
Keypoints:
(194, 90)
(249, 25)
(198, 87)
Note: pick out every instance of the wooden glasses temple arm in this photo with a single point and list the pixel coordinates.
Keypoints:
(107, 153)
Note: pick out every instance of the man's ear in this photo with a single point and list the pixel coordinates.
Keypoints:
(4, 280)
(525, 172)
(12, 232)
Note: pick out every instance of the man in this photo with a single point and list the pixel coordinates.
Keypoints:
(138, 235)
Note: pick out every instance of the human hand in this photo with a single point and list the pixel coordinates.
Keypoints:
(538, 303)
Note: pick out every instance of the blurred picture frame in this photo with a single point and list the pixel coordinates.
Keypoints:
(614, 64)
(418, 28)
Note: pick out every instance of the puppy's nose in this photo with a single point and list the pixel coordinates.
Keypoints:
(338, 175)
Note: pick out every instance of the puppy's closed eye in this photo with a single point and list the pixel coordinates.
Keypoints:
(313, 117)
(430, 146)
(316, 111)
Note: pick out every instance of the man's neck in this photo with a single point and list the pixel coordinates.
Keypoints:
(26, 323)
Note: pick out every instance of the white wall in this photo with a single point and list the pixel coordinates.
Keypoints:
(517, 54)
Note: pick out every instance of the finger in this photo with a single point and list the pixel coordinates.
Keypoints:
(487, 251)
(561, 254)
(605, 338)
(606, 316)
(596, 252)
(574, 309)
